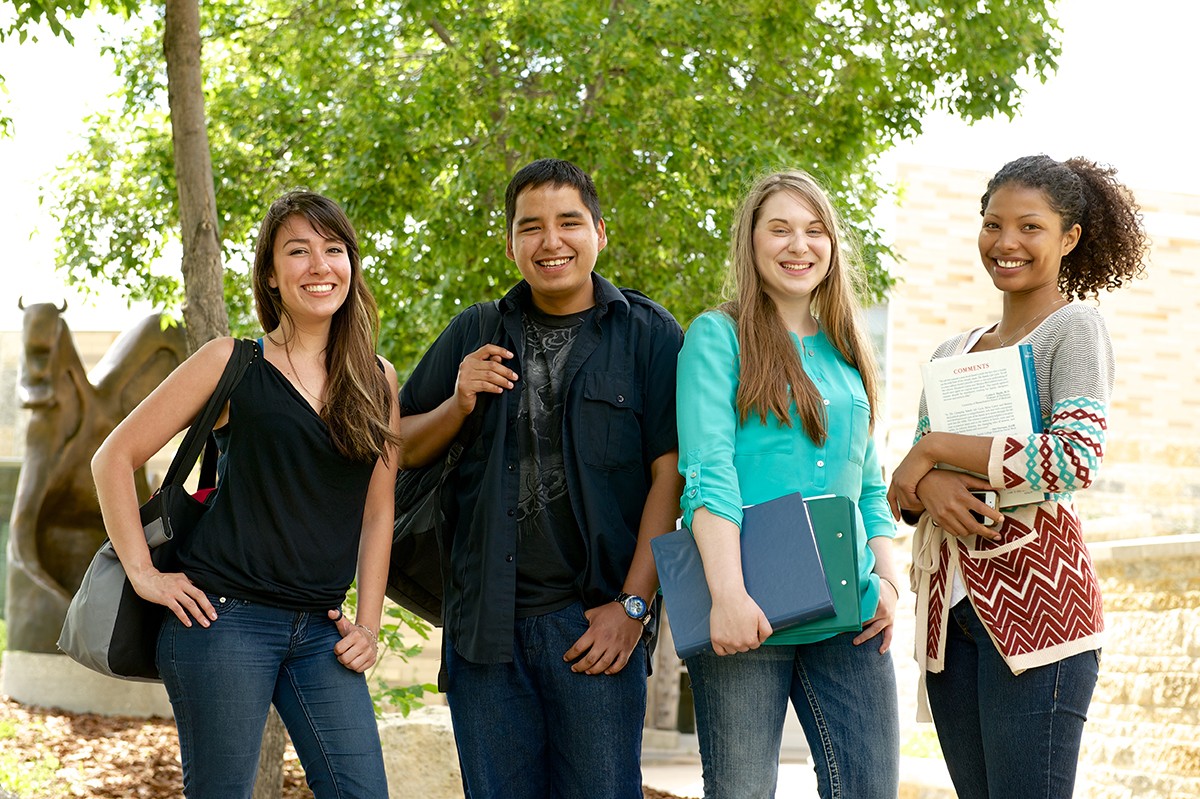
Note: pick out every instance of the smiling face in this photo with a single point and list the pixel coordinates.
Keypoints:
(312, 273)
(554, 242)
(792, 248)
(1022, 241)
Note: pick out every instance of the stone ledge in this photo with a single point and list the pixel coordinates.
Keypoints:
(1153, 548)
(419, 754)
(56, 681)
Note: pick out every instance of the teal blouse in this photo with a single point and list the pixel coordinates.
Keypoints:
(727, 465)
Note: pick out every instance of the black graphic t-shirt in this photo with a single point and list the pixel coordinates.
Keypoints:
(550, 548)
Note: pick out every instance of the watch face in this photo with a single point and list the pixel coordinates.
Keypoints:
(635, 606)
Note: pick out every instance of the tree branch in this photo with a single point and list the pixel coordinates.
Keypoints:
(441, 31)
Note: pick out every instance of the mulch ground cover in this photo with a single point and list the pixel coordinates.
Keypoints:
(53, 754)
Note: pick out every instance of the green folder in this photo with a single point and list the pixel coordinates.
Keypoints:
(839, 540)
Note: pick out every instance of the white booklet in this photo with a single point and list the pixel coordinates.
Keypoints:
(990, 393)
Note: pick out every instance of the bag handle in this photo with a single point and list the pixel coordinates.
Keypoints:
(200, 430)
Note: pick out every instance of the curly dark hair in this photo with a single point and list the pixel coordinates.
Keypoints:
(1112, 243)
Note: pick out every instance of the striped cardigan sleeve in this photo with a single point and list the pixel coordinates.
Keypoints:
(1075, 379)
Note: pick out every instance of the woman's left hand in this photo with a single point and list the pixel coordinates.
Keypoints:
(885, 614)
(359, 649)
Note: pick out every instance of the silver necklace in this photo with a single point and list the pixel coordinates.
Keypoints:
(1039, 315)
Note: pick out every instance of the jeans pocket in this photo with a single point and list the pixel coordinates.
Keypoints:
(224, 604)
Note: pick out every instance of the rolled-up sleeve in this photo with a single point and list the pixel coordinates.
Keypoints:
(707, 418)
(872, 502)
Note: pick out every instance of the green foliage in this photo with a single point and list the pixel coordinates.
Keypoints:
(54, 14)
(403, 698)
(921, 742)
(414, 114)
(397, 620)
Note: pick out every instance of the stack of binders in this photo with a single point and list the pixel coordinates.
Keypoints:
(799, 563)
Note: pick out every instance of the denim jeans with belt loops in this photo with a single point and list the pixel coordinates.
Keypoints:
(534, 729)
(844, 696)
(222, 680)
(1006, 735)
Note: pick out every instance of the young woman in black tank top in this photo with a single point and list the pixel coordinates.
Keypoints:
(304, 502)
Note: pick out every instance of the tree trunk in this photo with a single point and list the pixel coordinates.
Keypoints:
(269, 783)
(204, 312)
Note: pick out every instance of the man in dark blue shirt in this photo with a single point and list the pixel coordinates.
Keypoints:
(553, 505)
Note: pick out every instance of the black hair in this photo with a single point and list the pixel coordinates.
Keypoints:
(555, 172)
(1112, 243)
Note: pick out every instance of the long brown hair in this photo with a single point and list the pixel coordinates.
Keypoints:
(769, 362)
(357, 395)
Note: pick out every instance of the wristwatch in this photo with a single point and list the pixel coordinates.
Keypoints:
(636, 608)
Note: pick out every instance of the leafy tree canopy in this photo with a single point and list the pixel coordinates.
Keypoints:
(23, 16)
(20, 19)
(414, 114)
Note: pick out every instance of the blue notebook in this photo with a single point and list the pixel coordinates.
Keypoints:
(781, 565)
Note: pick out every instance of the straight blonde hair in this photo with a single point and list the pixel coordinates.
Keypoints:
(771, 374)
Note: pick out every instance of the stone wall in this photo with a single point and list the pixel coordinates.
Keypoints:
(1143, 734)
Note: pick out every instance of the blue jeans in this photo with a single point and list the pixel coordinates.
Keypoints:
(533, 729)
(1003, 734)
(223, 679)
(844, 696)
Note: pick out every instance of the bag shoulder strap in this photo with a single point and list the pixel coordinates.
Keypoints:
(491, 319)
(244, 352)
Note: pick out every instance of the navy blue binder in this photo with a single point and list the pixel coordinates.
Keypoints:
(781, 565)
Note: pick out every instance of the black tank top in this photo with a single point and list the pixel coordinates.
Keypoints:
(285, 522)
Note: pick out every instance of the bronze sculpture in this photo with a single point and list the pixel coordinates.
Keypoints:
(56, 525)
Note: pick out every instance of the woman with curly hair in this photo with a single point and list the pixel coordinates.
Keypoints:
(1009, 622)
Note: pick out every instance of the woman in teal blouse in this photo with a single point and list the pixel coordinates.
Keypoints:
(777, 395)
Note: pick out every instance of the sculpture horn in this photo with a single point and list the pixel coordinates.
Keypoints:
(62, 308)
(21, 303)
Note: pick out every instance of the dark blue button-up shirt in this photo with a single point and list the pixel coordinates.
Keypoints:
(618, 417)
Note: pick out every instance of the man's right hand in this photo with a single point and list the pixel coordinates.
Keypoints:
(482, 371)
